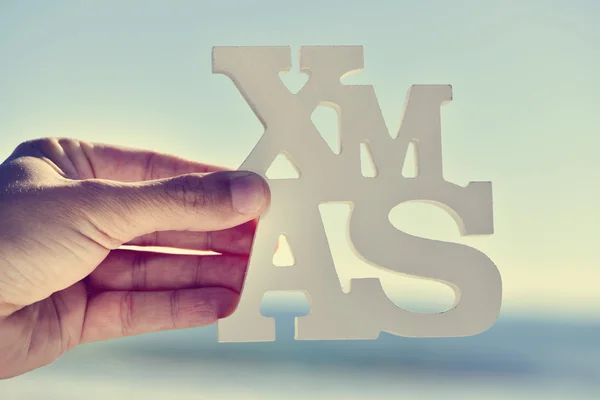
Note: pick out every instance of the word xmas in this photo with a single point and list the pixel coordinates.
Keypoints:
(365, 311)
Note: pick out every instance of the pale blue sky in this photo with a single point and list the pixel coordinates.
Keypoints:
(525, 110)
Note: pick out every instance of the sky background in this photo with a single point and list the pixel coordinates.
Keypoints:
(524, 115)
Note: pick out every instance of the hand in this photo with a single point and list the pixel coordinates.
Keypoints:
(66, 208)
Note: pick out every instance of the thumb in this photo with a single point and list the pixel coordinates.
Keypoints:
(195, 202)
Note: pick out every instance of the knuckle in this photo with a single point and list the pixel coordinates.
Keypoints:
(126, 313)
(43, 145)
(29, 148)
(175, 302)
(48, 147)
(193, 192)
(95, 186)
(199, 278)
(208, 240)
(139, 271)
(36, 143)
(151, 239)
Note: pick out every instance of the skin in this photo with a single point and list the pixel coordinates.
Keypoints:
(66, 209)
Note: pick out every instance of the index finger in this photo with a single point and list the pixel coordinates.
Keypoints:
(128, 164)
(79, 159)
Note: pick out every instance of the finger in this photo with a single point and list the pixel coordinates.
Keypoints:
(236, 240)
(112, 315)
(211, 202)
(144, 271)
(77, 159)
(130, 165)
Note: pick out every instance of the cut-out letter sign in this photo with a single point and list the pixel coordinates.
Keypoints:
(324, 176)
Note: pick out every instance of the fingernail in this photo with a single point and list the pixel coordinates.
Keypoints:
(248, 192)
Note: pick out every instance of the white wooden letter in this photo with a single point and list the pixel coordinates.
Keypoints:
(326, 177)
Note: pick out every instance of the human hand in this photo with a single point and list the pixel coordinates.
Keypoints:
(67, 206)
